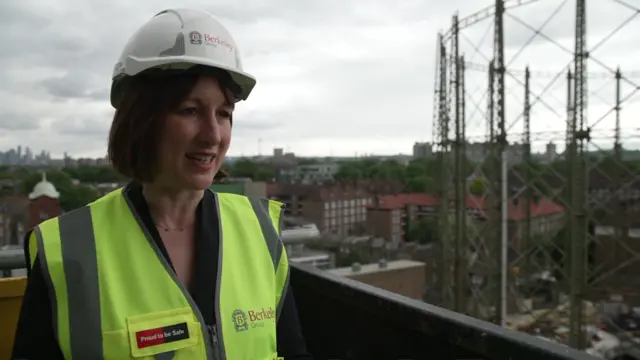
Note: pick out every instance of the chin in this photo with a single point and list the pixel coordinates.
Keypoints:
(199, 182)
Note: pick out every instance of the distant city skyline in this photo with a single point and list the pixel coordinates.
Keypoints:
(38, 155)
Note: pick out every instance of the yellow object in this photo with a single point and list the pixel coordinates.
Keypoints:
(11, 291)
(118, 298)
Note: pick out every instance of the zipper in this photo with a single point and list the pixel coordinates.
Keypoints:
(213, 335)
(215, 352)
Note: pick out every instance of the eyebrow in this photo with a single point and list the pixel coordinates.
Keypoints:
(200, 101)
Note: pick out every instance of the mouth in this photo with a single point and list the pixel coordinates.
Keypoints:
(201, 158)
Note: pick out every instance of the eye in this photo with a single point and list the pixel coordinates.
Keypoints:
(188, 111)
(224, 114)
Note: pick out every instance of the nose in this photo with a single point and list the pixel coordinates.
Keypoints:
(211, 130)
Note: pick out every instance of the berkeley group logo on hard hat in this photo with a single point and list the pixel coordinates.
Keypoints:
(195, 38)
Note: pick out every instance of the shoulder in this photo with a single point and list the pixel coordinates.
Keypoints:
(230, 197)
(76, 215)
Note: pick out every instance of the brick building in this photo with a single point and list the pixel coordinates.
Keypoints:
(44, 203)
(18, 213)
(246, 187)
(389, 215)
(335, 209)
(13, 213)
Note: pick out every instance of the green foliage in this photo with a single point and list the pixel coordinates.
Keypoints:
(540, 175)
(349, 173)
(420, 184)
(346, 259)
(479, 186)
(423, 231)
(307, 161)
(94, 174)
(370, 169)
(418, 175)
(71, 196)
(245, 168)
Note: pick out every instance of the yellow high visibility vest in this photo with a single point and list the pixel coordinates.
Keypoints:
(117, 298)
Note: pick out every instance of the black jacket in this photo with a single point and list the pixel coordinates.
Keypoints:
(35, 336)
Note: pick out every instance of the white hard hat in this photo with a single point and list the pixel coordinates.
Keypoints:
(179, 39)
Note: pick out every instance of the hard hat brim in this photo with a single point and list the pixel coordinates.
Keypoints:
(134, 66)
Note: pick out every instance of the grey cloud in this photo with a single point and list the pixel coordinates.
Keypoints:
(602, 18)
(321, 72)
(94, 127)
(74, 87)
(18, 122)
(244, 125)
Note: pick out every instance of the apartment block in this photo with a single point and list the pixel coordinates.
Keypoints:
(335, 209)
(389, 216)
(311, 173)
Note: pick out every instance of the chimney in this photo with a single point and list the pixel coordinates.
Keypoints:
(382, 263)
(355, 267)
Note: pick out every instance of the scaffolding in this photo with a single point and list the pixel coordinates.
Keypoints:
(491, 243)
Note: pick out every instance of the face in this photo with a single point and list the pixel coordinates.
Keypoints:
(196, 138)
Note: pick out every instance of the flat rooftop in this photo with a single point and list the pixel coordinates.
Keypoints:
(375, 267)
(297, 253)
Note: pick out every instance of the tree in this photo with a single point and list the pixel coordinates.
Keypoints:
(348, 173)
(77, 196)
(347, 259)
(71, 196)
(246, 168)
(307, 161)
(423, 231)
(423, 167)
(421, 184)
(94, 174)
(478, 186)
(419, 175)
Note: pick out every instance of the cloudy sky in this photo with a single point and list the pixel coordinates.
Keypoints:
(335, 77)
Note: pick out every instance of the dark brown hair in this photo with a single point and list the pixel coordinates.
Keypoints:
(139, 120)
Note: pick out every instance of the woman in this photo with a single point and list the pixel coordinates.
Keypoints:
(164, 268)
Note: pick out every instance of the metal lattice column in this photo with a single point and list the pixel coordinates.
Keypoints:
(578, 215)
(444, 153)
(499, 147)
(528, 176)
(460, 238)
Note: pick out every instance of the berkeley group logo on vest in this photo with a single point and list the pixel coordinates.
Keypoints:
(251, 319)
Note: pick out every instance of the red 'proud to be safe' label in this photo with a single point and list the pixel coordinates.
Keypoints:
(162, 335)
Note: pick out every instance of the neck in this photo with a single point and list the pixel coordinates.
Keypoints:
(170, 208)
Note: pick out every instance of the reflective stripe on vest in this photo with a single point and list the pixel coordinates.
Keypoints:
(116, 297)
